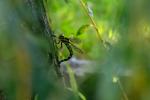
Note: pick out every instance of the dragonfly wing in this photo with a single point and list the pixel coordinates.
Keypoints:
(75, 40)
(76, 48)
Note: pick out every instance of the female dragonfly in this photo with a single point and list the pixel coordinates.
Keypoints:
(68, 43)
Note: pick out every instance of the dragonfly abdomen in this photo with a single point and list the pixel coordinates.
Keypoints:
(70, 53)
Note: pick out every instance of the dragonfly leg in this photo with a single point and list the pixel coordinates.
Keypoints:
(61, 46)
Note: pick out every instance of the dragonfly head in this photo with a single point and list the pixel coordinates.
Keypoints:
(61, 37)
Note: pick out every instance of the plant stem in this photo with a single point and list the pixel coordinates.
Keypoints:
(73, 83)
(123, 91)
(92, 20)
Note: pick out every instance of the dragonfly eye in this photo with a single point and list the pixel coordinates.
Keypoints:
(61, 37)
(62, 34)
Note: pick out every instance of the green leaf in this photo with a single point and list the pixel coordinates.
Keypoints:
(82, 29)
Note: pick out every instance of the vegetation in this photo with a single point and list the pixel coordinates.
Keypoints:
(39, 40)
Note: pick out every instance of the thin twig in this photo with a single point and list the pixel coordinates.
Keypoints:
(92, 20)
(122, 89)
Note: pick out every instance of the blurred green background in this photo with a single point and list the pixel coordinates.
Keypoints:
(121, 72)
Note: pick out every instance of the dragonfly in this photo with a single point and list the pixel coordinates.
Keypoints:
(69, 45)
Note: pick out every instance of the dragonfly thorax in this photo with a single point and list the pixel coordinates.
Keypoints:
(64, 39)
